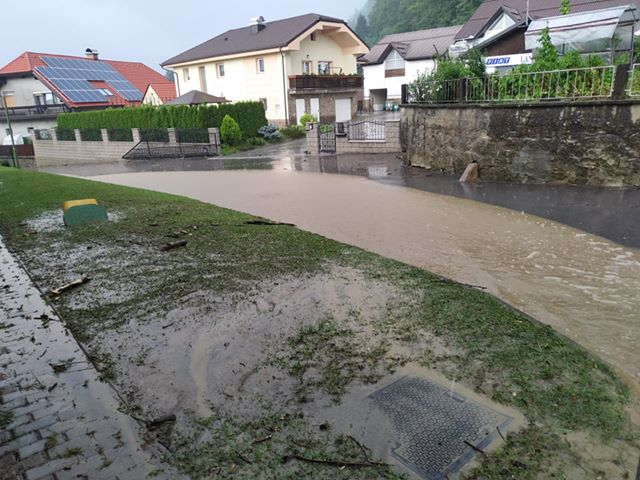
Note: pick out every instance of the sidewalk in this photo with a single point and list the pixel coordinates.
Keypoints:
(64, 422)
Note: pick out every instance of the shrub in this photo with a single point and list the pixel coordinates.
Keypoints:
(307, 118)
(230, 131)
(65, 134)
(120, 135)
(249, 115)
(270, 133)
(91, 135)
(294, 131)
(160, 135)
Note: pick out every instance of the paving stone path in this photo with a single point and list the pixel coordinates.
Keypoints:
(63, 421)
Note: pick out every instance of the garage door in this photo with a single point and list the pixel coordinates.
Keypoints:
(343, 109)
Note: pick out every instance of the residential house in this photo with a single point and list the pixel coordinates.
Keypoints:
(37, 87)
(304, 64)
(398, 59)
(159, 93)
(498, 28)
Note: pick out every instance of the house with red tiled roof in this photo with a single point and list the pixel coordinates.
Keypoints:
(159, 93)
(37, 87)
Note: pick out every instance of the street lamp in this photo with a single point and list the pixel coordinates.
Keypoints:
(14, 155)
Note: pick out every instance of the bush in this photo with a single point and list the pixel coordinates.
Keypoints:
(270, 133)
(249, 115)
(120, 135)
(294, 131)
(230, 131)
(91, 135)
(65, 134)
(307, 118)
(192, 135)
(160, 135)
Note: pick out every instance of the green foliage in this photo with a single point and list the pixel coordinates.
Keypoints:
(160, 135)
(120, 135)
(395, 16)
(91, 135)
(294, 131)
(65, 134)
(192, 135)
(565, 7)
(249, 115)
(6, 418)
(307, 118)
(230, 131)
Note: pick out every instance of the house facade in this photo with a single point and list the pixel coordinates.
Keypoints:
(304, 64)
(37, 87)
(398, 59)
(499, 27)
(159, 93)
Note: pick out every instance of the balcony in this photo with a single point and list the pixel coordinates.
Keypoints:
(34, 112)
(301, 83)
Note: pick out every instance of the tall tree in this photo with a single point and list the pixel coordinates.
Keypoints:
(362, 27)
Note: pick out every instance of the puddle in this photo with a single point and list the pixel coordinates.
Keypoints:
(584, 286)
(52, 221)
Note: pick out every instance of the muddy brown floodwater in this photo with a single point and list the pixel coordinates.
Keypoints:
(584, 286)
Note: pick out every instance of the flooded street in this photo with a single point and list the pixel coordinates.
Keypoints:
(584, 286)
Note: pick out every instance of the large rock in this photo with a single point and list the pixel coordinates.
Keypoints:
(471, 173)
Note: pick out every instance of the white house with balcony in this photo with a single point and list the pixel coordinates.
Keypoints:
(398, 59)
(304, 64)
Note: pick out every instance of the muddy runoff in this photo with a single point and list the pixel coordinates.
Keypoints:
(582, 285)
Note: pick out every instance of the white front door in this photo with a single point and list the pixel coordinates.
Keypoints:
(343, 109)
(300, 109)
(315, 108)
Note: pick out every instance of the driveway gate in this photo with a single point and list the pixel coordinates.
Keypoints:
(327, 138)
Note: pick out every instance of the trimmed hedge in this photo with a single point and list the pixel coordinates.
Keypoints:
(65, 134)
(249, 115)
(91, 135)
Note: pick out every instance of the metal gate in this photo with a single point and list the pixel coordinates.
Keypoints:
(327, 138)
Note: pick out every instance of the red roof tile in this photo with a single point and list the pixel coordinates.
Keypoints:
(138, 74)
(166, 90)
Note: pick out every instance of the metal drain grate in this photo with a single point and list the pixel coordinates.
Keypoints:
(433, 423)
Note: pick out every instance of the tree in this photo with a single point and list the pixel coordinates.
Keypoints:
(230, 131)
(362, 27)
(565, 7)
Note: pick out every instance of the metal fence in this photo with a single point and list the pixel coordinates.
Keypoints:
(366, 130)
(634, 81)
(572, 84)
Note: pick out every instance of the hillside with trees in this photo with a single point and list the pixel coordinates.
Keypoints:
(382, 17)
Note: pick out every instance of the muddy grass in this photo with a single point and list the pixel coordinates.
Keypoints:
(251, 331)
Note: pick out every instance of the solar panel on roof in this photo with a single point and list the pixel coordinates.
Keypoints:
(72, 77)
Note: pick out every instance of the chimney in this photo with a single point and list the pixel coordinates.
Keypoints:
(257, 25)
(91, 54)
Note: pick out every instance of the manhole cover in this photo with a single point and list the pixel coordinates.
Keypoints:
(433, 423)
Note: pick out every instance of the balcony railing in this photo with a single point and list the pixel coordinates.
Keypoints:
(325, 82)
(16, 113)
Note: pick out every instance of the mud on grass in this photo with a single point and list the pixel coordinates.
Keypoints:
(465, 334)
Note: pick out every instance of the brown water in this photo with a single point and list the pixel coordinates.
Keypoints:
(586, 287)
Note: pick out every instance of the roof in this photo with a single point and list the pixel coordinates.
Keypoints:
(412, 45)
(136, 73)
(276, 34)
(196, 97)
(489, 10)
(166, 90)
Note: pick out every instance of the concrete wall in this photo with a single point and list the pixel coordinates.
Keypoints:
(572, 143)
(55, 152)
(391, 143)
(327, 102)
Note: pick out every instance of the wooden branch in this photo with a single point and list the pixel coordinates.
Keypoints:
(334, 463)
(54, 292)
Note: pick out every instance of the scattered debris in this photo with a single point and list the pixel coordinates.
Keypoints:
(55, 292)
(268, 224)
(472, 446)
(52, 387)
(171, 246)
(158, 422)
(335, 463)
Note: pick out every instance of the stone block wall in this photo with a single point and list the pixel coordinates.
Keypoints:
(595, 143)
(391, 143)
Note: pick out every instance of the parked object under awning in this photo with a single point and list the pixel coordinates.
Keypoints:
(195, 97)
(587, 32)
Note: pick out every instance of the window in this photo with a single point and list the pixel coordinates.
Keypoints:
(185, 74)
(202, 73)
(313, 37)
(264, 103)
(502, 23)
(324, 68)
(307, 67)
(394, 61)
(105, 92)
(220, 70)
(260, 65)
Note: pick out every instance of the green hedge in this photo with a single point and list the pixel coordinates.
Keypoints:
(249, 115)
(65, 134)
(120, 135)
(91, 135)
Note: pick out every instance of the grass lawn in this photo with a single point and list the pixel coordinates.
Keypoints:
(563, 391)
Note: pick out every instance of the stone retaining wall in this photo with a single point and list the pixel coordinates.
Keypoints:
(573, 143)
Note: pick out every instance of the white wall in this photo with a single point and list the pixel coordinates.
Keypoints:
(374, 77)
(22, 127)
(24, 89)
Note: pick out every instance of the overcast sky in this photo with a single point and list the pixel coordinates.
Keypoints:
(149, 31)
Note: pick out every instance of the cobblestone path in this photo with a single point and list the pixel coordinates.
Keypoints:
(60, 421)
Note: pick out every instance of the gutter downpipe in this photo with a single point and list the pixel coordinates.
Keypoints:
(284, 89)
